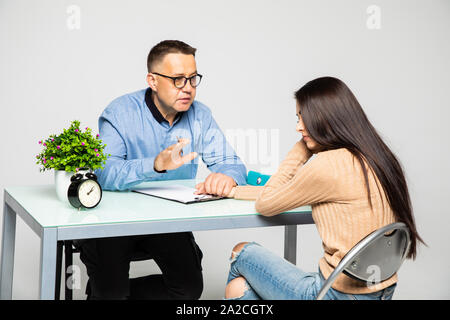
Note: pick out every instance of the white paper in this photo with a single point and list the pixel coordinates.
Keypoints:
(176, 192)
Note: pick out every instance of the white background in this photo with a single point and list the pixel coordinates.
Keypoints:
(253, 55)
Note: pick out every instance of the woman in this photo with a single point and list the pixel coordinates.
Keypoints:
(355, 185)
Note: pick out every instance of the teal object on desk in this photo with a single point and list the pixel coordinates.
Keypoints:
(257, 179)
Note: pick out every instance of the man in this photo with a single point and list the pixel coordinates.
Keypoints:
(157, 134)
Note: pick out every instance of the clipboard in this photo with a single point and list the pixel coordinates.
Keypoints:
(178, 193)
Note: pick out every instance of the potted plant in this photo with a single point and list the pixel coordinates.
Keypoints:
(72, 151)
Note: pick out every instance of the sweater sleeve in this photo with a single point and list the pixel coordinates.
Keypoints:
(295, 185)
(247, 192)
(296, 157)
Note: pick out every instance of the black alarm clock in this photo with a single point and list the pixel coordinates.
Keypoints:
(84, 191)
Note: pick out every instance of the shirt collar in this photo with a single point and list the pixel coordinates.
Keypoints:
(154, 110)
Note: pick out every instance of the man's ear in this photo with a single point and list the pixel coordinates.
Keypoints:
(151, 81)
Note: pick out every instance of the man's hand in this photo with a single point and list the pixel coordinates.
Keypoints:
(170, 158)
(217, 184)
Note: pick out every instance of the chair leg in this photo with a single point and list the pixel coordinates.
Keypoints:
(68, 252)
(59, 249)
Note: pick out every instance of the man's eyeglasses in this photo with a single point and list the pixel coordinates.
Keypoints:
(180, 82)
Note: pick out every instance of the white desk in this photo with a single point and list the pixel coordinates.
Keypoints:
(123, 214)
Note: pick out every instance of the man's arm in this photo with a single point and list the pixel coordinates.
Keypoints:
(120, 173)
(221, 159)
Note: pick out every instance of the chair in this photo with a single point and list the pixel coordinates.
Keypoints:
(70, 247)
(381, 253)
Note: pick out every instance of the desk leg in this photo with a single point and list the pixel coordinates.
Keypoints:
(47, 273)
(290, 243)
(7, 262)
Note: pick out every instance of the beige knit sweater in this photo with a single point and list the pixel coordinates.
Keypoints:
(333, 184)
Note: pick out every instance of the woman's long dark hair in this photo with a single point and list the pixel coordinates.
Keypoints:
(334, 118)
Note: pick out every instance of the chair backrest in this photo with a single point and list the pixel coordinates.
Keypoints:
(375, 258)
(257, 179)
(379, 255)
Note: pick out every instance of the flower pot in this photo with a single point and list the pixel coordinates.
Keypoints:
(62, 183)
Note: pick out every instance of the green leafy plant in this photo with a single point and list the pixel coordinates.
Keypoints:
(72, 150)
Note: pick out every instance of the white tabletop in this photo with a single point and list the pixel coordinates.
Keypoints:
(125, 206)
(123, 214)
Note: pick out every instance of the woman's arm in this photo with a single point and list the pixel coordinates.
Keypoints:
(294, 186)
(296, 157)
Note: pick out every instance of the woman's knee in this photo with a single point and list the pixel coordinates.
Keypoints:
(236, 288)
(237, 249)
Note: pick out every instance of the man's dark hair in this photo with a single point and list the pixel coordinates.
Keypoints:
(158, 52)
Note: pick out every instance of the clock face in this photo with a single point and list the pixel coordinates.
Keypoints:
(89, 193)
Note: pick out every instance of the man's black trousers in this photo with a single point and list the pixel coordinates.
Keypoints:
(108, 262)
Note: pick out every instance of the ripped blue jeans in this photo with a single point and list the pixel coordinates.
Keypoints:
(271, 277)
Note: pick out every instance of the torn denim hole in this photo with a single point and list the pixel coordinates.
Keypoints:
(234, 256)
(244, 293)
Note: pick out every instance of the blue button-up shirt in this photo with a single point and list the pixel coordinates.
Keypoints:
(134, 137)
